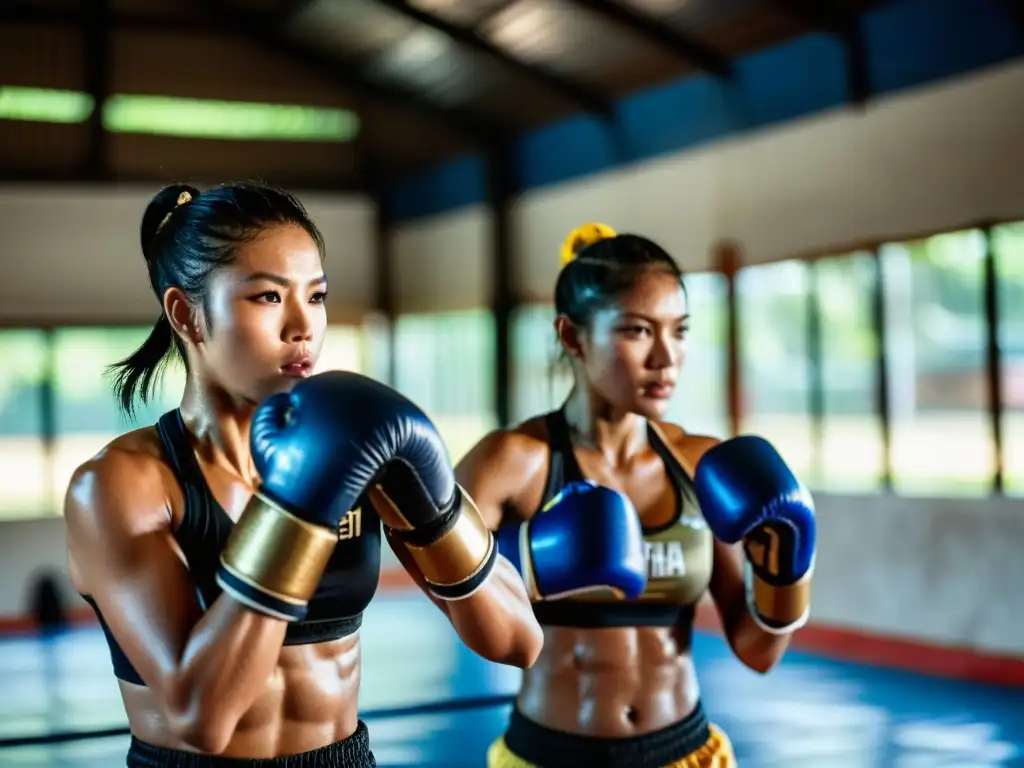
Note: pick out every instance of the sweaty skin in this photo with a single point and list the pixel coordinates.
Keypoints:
(613, 682)
(220, 682)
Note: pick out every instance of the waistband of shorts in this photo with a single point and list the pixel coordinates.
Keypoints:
(353, 752)
(544, 746)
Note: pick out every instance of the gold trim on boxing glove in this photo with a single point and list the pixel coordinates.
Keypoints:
(459, 554)
(277, 553)
(526, 558)
(787, 607)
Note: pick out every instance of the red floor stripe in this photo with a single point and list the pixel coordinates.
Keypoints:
(895, 652)
(832, 642)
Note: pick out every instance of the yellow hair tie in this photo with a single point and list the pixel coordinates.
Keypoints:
(581, 237)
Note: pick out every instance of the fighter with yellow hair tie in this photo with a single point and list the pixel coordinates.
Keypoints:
(621, 522)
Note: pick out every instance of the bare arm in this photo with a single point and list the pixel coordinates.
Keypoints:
(206, 669)
(757, 649)
(496, 621)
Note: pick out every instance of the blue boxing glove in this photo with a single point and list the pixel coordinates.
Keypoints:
(748, 494)
(586, 538)
(319, 450)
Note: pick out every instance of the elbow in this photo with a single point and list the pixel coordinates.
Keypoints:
(205, 726)
(515, 643)
(762, 663)
(206, 737)
(525, 640)
(757, 650)
(519, 655)
(525, 649)
(762, 652)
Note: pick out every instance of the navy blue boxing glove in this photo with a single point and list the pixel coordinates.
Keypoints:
(587, 538)
(317, 450)
(748, 494)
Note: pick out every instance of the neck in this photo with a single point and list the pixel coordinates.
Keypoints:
(594, 423)
(220, 424)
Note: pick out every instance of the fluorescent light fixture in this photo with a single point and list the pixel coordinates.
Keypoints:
(238, 120)
(183, 117)
(44, 105)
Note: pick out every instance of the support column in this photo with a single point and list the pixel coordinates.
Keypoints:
(728, 259)
(96, 31)
(993, 359)
(499, 196)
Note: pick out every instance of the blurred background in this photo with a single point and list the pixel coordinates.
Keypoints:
(843, 182)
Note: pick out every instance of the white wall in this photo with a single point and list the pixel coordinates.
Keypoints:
(934, 159)
(429, 278)
(72, 253)
(937, 158)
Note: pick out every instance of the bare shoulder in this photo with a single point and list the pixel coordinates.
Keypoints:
(688, 446)
(515, 449)
(123, 487)
(506, 470)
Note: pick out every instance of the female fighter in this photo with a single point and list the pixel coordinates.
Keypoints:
(233, 616)
(620, 523)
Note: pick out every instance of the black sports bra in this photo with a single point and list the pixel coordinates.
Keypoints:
(680, 553)
(346, 588)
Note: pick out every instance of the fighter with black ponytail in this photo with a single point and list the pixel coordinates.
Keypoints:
(225, 550)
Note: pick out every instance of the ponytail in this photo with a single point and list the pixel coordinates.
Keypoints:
(137, 376)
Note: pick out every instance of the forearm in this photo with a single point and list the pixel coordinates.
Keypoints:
(760, 625)
(497, 620)
(230, 655)
(269, 569)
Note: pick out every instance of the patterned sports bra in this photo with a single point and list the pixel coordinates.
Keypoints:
(680, 553)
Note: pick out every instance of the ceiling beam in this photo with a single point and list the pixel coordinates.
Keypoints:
(345, 72)
(586, 98)
(496, 10)
(1016, 10)
(221, 19)
(824, 15)
(820, 14)
(96, 44)
(119, 20)
(71, 177)
(693, 52)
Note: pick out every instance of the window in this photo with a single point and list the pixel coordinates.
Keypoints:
(445, 364)
(540, 380)
(86, 412)
(851, 454)
(1008, 246)
(375, 361)
(773, 353)
(701, 401)
(24, 476)
(342, 350)
(935, 336)
(357, 348)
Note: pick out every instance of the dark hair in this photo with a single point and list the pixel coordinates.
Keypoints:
(186, 235)
(604, 271)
